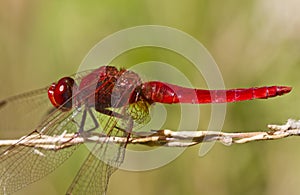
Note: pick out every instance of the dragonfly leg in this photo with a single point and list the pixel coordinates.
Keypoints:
(112, 113)
(95, 121)
(129, 131)
(123, 130)
(88, 111)
(81, 127)
(82, 122)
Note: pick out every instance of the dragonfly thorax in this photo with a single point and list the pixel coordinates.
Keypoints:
(103, 88)
(115, 88)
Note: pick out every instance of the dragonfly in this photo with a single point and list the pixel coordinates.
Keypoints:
(107, 100)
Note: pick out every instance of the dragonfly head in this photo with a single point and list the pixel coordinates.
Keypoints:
(60, 93)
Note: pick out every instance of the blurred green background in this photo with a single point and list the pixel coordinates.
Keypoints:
(254, 43)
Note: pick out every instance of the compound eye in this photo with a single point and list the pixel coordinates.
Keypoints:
(60, 93)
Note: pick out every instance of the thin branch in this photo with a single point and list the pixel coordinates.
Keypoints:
(157, 138)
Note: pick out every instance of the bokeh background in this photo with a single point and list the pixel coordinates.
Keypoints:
(253, 42)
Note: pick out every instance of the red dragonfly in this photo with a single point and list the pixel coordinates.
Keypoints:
(106, 100)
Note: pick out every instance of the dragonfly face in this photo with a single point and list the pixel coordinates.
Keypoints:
(60, 93)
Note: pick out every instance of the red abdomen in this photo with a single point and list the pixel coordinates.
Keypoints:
(155, 91)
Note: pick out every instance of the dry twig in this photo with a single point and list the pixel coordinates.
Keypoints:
(158, 138)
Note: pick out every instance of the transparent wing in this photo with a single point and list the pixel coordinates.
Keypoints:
(32, 111)
(20, 165)
(24, 112)
(103, 160)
